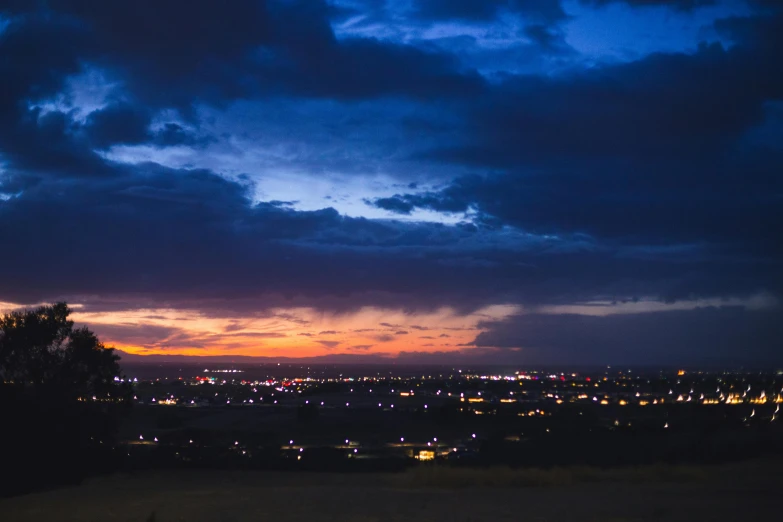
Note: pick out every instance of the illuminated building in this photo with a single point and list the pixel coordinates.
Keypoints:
(426, 455)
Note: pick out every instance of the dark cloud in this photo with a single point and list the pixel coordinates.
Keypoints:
(334, 71)
(627, 151)
(547, 37)
(256, 335)
(137, 333)
(148, 222)
(234, 326)
(186, 55)
(487, 10)
(33, 67)
(292, 318)
(449, 11)
(38, 144)
(329, 344)
(202, 52)
(719, 336)
(401, 332)
(682, 5)
(127, 124)
(196, 240)
(397, 204)
(655, 177)
(119, 123)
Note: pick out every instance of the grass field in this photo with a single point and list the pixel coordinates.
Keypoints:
(738, 492)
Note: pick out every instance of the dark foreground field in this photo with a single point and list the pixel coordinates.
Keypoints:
(738, 492)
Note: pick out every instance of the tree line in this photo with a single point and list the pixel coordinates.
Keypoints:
(60, 400)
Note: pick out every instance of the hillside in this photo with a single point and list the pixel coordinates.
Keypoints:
(739, 492)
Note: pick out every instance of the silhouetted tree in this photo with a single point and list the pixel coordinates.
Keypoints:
(41, 349)
(59, 398)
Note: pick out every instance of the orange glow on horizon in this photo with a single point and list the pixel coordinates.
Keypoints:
(294, 332)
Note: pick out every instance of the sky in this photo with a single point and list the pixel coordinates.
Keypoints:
(477, 181)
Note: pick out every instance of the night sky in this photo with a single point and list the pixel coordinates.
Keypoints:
(495, 181)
